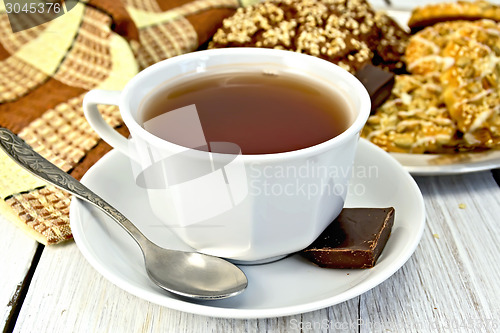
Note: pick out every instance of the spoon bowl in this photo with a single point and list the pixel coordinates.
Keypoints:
(192, 275)
(189, 274)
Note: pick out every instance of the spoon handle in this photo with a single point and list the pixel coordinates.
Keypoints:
(33, 162)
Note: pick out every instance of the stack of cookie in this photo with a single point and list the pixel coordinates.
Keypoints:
(450, 100)
(346, 32)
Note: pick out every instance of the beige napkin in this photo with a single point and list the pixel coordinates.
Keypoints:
(46, 70)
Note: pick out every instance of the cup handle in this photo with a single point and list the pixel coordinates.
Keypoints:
(97, 122)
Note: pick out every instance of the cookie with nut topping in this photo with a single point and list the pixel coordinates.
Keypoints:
(414, 119)
(467, 56)
(431, 14)
(451, 100)
(346, 32)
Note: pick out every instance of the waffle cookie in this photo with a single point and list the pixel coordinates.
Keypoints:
(44, 76)
(428, 15)
(346, 32)
(452, 97)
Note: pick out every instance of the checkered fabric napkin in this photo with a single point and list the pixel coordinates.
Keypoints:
(46, 70)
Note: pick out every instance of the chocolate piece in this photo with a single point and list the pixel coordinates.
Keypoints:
(354, 240)
(389, 51)
(378, 83)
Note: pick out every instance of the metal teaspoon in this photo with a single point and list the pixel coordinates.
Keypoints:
(189, 274)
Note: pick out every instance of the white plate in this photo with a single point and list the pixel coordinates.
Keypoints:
(448, 164)
(289, 286)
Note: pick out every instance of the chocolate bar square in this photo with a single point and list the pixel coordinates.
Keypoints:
(354, 239)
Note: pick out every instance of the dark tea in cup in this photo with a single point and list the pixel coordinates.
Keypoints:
(261, 112)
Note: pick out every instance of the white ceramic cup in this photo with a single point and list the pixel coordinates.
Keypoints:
(248, 208)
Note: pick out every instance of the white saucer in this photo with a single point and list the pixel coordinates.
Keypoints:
(285, 287)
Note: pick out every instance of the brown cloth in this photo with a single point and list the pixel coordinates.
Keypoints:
(46, 70)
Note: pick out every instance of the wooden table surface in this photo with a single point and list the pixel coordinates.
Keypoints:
(450, 284)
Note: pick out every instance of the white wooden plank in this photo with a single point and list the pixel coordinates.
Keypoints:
(67, 294)
(450, 284)
(16, 254)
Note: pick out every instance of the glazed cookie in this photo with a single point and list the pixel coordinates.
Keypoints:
(467, 57)
(451, 100)
(414, 119)
(428, 15)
